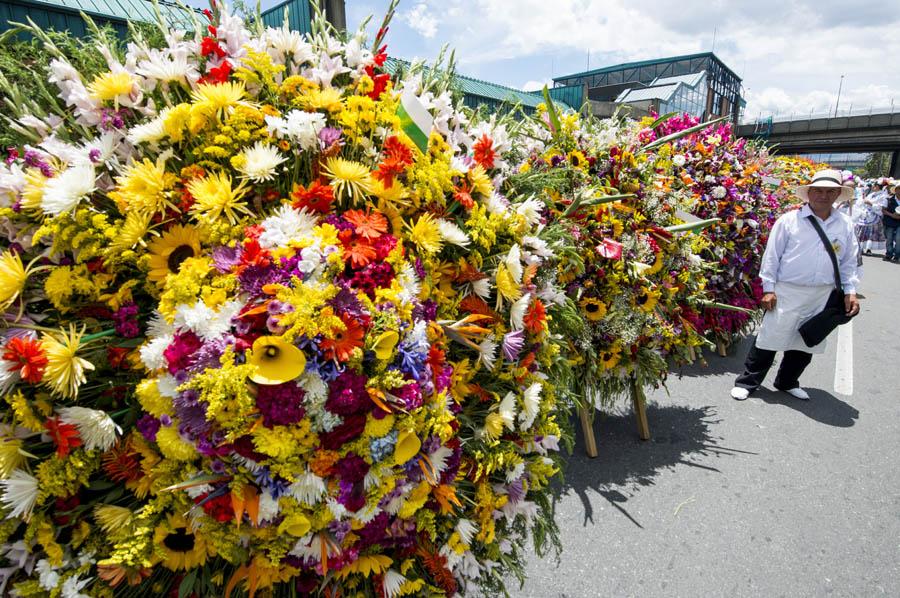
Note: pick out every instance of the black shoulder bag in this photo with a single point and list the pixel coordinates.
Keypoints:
(814, 330)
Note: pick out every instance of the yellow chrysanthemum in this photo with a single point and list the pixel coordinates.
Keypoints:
(113, 519)
(145, 187)
(171, 249)
(175, 120)
(481, 182)
(109, 86)
(348, 177)
(426, 234)
(218, 96)
(214, 197)
(593, 309)
(182, 547)
(11, 456)
(132, 233)
(321, 99)
(33, 194)
(13, 276)
(65, 371)
(173, 446)
(507, 287)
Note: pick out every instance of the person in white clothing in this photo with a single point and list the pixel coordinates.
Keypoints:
(798, 276)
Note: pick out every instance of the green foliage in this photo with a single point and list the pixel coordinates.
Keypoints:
(878, 165)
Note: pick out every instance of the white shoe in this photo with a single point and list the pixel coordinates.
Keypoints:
(739, 394)
(798, 393)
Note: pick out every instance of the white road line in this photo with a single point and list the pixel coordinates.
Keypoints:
(843, 367)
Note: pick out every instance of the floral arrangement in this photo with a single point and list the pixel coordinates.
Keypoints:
(272, 326)
(790, 171)
(633, 273)
(727, 178)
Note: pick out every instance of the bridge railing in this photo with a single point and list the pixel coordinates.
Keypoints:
(761, 117)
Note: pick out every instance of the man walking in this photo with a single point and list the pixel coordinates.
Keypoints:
(891, 220)
(798, 276)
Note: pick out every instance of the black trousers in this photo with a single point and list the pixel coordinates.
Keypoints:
(760, 360)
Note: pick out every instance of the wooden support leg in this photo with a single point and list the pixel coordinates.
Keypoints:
(640, 410)
(692, 354)
(721, 347)
(590, 442)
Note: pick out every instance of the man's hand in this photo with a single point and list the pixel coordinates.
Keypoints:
(851, 303)
(769, 300)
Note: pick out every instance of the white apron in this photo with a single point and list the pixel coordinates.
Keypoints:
(794, 305)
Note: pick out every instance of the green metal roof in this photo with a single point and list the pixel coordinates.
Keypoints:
(299, 16)
(631, 65)
(122, 10)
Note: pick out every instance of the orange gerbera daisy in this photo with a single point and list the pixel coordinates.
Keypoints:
(343, 342)
(316, 198)
(357, 251)
(535, 317)
(484, 152)
(65, 436)
(368, 224)
(27, 357)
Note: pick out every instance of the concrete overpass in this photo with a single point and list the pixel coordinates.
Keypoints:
(875, 132)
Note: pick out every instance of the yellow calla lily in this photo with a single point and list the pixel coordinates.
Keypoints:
(296, 525)
(408, 445)
(276, 361)
(384, 344)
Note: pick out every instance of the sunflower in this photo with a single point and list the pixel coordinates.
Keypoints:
(593, 309)
(610, 358)
(646, 299)
(171, 249)
(348, 177)
(178, 547)
(214, 197)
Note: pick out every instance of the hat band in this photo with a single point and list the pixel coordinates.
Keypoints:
(826, 178)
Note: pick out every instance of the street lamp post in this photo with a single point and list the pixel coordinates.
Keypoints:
(840, 85)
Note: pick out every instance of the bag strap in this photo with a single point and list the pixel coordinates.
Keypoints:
(830, 250)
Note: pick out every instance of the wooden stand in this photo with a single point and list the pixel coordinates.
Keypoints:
(640, 410)
(590, 442)
(692, 354)
(721, 347)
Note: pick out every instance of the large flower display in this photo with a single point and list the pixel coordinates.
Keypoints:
(272, 327)
(633, 274)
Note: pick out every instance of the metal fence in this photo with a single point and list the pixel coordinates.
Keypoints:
(748, 119)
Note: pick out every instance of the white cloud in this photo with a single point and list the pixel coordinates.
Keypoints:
(421, 20)
(537, 85)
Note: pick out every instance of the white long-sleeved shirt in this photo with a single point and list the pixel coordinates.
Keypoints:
(795, 252)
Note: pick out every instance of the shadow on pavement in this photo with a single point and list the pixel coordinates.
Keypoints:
(822, 406)
(625, 463)
(715, 365)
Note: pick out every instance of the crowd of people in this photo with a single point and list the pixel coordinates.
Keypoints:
(875, 212)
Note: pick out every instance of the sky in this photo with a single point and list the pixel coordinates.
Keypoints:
(791, 54)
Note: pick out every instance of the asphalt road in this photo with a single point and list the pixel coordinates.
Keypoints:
(767, 497)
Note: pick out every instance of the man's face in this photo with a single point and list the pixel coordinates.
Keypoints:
(820, 197)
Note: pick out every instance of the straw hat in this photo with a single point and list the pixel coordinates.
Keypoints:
(826, 178)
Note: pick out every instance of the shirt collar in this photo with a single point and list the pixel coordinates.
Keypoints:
(807, 211)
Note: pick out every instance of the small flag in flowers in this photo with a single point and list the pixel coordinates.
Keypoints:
(415, 120)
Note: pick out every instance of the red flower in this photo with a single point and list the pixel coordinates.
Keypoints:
(317, 197)
(343, 343)
(484, 152)
(380, 80)
(464, 196)
(65, 436)
(535, 317)
(219, 508)
(217, 74)
(357, 250)
(27, 356)
(397, 157)
(610, 249)
(117, 357)
(211, 46)
(369, 224)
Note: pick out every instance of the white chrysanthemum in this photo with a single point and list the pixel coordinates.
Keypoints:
(459, 164)
(96, 428)
(514, 263)
(678, 160)
(286, 225)
(153, 352)
(158, 326)
(409, 280)
(259, 162)
(719, 192)
(537, 246)
(48, 578)
(192, 317)
(167, 385)
(206, 322)
(507, 410)
(531, 210)
(452, 233)
(497, 204)
(338, 511)
(517, 312)
(466, 530)
(149, 132)
(286, 43)
(487, 351)
(19, 493)
(298, 125)
(8, 379)
(531, 403)
(307, 489)
(199, 489)
(482, 287)
(439, 457)
(268, 507)
(392, 583)
(515, 473)
(72, 587)
(63, 192)
(167, 67)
